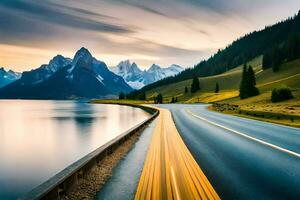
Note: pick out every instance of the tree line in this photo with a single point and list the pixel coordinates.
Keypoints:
(135, 95)
(279, 53)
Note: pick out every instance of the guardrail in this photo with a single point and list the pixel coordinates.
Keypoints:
(59, 185)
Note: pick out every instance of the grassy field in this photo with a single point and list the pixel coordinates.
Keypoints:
(228, 82)
(267, 80)
(208, 97)
(289, 75)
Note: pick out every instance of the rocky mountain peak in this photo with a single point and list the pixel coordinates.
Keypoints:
(154, 67)
(57, 62)
(84, 54)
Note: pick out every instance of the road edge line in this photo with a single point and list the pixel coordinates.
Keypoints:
(246, 136)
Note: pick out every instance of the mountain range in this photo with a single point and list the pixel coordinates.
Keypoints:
(64, 78)
(7, 77)
(137, 78)
(81, 77)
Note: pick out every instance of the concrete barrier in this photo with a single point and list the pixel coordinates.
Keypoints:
(59, 185)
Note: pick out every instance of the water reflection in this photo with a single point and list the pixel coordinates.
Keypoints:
(82, 114)
(40, 138)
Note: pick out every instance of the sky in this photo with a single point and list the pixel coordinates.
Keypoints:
(164, 32)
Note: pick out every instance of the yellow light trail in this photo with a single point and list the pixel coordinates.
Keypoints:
(170, 171)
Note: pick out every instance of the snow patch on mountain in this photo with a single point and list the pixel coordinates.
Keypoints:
(99, 78)
(135, 84)
(8, 76)
(137, 78)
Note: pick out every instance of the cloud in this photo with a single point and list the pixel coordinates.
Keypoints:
(164, 31)
(17, 28)
(41, 11)
(80, 10)
(142, 5)
(179, 8)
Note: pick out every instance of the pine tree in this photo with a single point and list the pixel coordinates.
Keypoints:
(155, 100)
(122, 95)
(267, 60)
(173, 100)
(217, 89)
(158, 99)
(252, 90)
(186, 90)
(247, 87)
(251, 76)
(142, 96)
(276, 59)
(243, 86)
(292, 47)
(195, 85)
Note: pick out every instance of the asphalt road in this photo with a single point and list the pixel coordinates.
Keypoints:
(242, 158)
(170, 171)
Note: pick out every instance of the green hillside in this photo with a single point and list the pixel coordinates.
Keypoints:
(287, 112)
(229, 82)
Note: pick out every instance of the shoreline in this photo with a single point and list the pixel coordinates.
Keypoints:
(85, 177)
(92, 183)
(88, 187)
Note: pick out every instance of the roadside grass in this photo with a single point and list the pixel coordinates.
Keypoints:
(262, 103)
(261, 108)
(210, 97)
(121, 101)
(293, 122)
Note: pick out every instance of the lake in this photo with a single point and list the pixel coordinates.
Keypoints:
(40, 138)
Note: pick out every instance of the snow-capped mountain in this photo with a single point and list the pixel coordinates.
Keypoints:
(131, 73)
(7, 77)
(127, 70)
(63, 78)
(173, 70)
(137, 78)
(44, 72)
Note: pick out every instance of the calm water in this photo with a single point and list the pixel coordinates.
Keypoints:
(40, 138)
